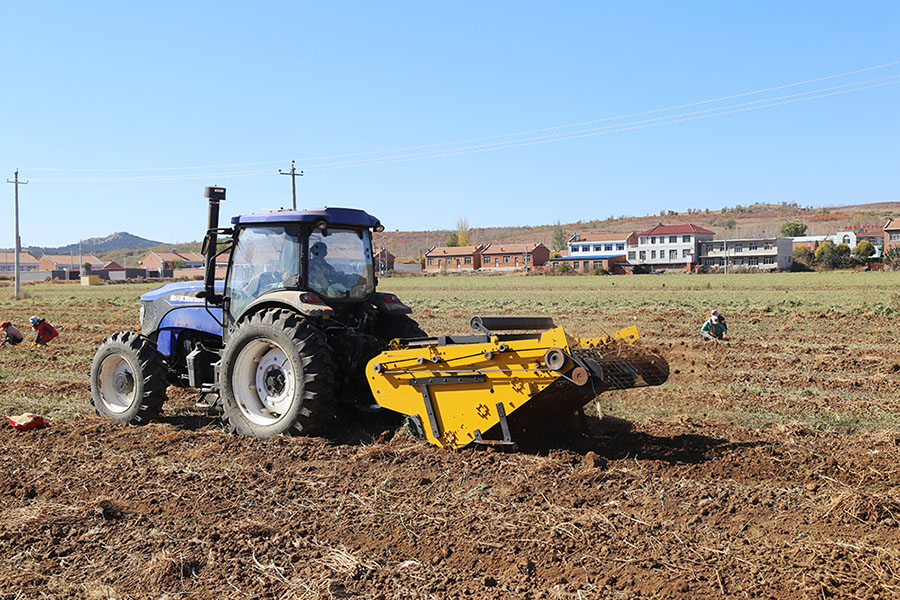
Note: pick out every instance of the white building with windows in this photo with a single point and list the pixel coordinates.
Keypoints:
(750, 254)
(668, 247)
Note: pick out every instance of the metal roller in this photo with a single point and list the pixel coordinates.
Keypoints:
(491, 324)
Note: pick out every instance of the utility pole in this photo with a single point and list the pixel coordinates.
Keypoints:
(294, 175)
(17, 183)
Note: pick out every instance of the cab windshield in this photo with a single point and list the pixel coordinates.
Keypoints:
(340, 264)
(264, 259)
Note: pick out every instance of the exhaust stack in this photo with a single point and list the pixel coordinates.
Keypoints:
(214, 195)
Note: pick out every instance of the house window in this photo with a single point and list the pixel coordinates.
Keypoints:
(686, 239)
(468, 260)
(738, 248)
(673, 239)
(496, 261)
(430, 262)
(643, 254)
(631, 255)
(653, 254)
(506, 258)
(608, 247)
(598, 264)
(642, 240)
(585, 248)
(584, 266)
(768, 260)
(652, 240)
(673, 254)
(620, 246)
(517, 261)
(753, 246)
(527, 258)
(754, 261)
(768, 246)
(895, 237)
(597, 248)
(685, 253)
(846, 240)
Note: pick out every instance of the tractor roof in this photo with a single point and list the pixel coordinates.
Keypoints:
(333, 216)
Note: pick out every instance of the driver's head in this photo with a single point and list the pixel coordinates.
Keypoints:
(318, 250)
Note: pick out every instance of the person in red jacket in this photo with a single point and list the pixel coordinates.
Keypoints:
(44, 331)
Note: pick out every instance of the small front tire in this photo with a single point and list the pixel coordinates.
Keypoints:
(128, 379)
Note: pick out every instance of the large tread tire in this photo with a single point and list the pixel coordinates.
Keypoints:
(388, 327)
(128, 379)
(302, 376)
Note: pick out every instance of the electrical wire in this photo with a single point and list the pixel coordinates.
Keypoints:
(453, 149)
(608, 129)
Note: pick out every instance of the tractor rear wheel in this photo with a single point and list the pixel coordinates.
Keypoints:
(277, 376)
(128, 379)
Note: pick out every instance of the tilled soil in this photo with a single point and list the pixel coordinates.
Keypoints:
(724, 503)
(681, 508)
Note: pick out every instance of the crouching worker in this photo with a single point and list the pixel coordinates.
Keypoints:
(714, 329)
(44, 331)
(11, 334)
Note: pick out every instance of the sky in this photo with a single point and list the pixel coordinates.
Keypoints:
(505, 113)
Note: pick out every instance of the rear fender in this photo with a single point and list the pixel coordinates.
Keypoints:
(290, 299)
(389, 304)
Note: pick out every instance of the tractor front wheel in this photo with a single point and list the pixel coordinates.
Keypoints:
(277, 376)
(128, 379)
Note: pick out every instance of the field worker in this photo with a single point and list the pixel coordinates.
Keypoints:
(713, 329)
(715, 313)
(44, 331)
(10, 334)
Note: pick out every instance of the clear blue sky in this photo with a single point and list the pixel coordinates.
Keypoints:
(140, 91)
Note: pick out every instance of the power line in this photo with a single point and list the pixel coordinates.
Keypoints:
(449, 150)
(671, 119)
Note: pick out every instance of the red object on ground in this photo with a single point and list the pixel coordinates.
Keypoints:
(26, 421)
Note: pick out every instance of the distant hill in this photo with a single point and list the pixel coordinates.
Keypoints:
(120, 240)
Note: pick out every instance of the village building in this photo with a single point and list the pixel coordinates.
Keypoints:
(69, 262)
(384, 261)
(514, 256)
(810, 242)
(453, 258)
(26, 262)
(762, 254)
(113, 266)
(159, 261)
(593, 252)
(891, 235)
(668, 247)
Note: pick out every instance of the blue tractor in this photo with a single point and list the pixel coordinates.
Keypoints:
(278, 344)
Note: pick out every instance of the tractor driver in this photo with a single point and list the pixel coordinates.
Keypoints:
(322, 276)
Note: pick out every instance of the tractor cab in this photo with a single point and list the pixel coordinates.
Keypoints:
(324, 253)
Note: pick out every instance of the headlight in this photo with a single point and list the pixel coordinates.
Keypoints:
(141, 315)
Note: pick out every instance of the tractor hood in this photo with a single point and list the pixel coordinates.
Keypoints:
(176, 306)
(182, 292)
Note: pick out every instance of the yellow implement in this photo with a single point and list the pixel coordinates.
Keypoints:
(459, 390)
